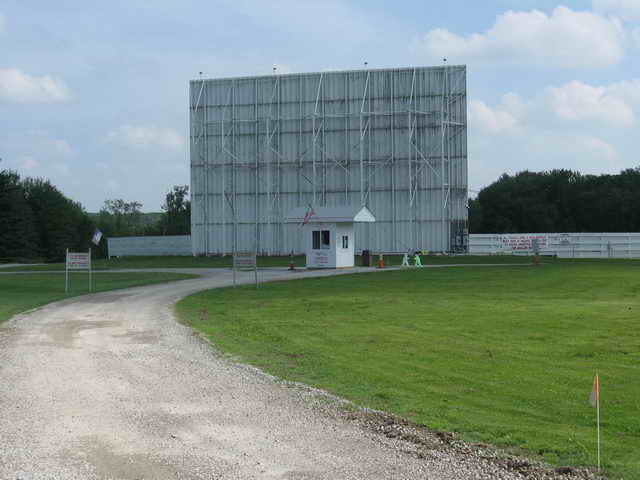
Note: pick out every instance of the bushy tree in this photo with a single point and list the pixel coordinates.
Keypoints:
(18, 238)
(60, 222)
(558, 201)
(176, 219)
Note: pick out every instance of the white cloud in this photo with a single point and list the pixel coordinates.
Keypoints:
(19, 87)
(489, 120)
(626, 9)
(574, 104)
(565, 38)
(629, 90)
(579, 101)
(146, 137)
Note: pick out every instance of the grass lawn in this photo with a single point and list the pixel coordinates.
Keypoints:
(500, 355)
(26, 291)
(165, 262)
(271, 261)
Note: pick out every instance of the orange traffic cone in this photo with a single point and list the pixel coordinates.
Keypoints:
(380, 261)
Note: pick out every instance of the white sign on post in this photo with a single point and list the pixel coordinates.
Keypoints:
(77, 261)
(245, 261)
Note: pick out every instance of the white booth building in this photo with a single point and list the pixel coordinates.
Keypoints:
(328, 233)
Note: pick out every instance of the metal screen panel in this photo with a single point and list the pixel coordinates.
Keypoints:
(394, 140)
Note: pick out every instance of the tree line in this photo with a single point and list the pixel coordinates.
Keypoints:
(558, 201)
(38, 222)
(120, 218)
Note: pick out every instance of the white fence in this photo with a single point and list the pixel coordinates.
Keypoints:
(563, 245)
(150, 246)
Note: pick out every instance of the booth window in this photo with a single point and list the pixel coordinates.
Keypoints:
(326, 240)
(345, 241)
(321, 239)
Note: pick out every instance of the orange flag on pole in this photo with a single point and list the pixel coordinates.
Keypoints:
(594, 398)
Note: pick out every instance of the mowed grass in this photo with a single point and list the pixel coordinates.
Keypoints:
(504, 355)
(20, 292)
(164, 262)
(268, 261)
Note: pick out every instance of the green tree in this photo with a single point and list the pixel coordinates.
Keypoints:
(119, 218)
(18, 238)
(558, 201)
(176, 219)
(60, 222)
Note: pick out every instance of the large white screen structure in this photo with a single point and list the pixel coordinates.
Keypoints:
(394, 140)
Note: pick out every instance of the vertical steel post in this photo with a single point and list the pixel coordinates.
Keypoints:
(394, 213)
(207, 193)
(442, 154)
(66, 272)
(257, 165)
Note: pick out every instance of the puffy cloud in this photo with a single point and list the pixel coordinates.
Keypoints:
(489, 120)
(19, 87)
(625, 9)
(565, 38)
(579, 101)
(146, 137)
(572, 104)
(628, 90)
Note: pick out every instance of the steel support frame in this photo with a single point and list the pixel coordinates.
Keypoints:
(269, 160)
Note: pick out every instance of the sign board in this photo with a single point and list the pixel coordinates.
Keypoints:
(522, 242)
(244, 260)
(320, 259)
(78, 261)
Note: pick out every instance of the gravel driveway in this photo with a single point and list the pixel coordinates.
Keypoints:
(110, 386)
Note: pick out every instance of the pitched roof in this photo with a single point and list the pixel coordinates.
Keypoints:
(349, 213)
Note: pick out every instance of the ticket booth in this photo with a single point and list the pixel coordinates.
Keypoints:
(328, 233)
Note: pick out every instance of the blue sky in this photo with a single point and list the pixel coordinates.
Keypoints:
(93, 95)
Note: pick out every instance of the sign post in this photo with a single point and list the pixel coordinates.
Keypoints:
(77, 261)
(246, 261)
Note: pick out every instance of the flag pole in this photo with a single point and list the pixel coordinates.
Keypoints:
(598, 417)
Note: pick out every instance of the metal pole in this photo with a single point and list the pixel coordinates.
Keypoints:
(90, 283)
(66, 272)
(442, 177)
(255, 269)
(598, 417)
